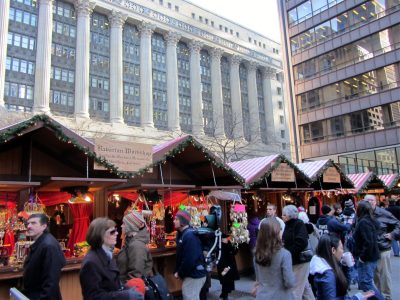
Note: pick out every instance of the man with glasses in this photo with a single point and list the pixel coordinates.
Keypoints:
(389, 229)
(42, 267)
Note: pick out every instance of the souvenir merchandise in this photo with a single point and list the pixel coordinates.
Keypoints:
(238, 216)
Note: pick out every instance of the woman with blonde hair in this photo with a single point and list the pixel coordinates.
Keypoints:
(273, 263)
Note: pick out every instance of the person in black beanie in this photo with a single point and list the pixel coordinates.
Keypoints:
(349, 212)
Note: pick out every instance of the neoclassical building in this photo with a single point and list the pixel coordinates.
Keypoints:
(141, 69)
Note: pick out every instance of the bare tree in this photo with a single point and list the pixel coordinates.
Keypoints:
(229, 147)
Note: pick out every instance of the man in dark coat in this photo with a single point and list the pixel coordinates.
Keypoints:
(42, 267)
(395, 210)
(190, 265)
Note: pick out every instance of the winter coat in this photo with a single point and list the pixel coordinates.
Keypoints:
(327, 224)
(227, 281)
(189, 255)
(42, 269)
(348, 215)
(394, 209)
(325, 281)
(253, 229)
(134, 259)
(387, 224)
(276, 280)
(365, 238)
(99, 279)
(295, 238)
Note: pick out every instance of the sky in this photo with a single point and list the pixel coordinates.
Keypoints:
(258, 15)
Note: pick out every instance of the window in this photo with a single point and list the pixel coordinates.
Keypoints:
(237, 34)
(249, 39)
(169, 5)
(206, 21)
(280, 104)
(281, 119)
(200, 18)
(283, 146)
(220, 27)
(226, 29)
(282, 134)
(176, 8)
(279, 90)
(212, 23)
(193, 15)
(231, 31)
(161, 2)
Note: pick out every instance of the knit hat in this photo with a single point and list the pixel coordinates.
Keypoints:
(184, 217)
(326, 209)
(137, 284)
(133, 221)
(349, 204)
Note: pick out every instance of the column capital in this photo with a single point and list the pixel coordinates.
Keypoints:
(172, 38)
(216, 53)
(235, 60)
(268, 73)
(84, 7)
(251, 66)
(117, 18)
(195, 46)
(46, 2)
(146, 29)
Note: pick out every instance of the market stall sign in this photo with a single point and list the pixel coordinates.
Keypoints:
(331, 175)
(126, 156)
(283, 173)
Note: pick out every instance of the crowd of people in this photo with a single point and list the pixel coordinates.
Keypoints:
(293, 257)
(348, 245)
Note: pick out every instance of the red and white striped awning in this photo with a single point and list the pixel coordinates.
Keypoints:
(390, 180)
(360, 179)
(312, 168)
(170, 144)
(254, 168)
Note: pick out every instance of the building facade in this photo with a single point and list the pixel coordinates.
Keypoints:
(144, 69)
(343, 64)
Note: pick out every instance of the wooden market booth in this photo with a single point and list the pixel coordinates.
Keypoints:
(45, 165)
(271, 179)
(328, 182)
(367, 183)
(182, 173)
(392, 182)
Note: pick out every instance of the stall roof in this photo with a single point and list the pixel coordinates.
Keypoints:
(54, 184)
(363, 181)
(15, 186)
(390, 180)
(67, 140)
(314, 169)
(255, 170)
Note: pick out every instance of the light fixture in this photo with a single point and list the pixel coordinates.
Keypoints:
(79, 194)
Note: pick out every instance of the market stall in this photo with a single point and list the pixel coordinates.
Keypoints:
(367, 183)
(181, 175)
(392, 182)
(329, 183)
(45, 167)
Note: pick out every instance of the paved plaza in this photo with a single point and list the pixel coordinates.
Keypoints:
(245, 284)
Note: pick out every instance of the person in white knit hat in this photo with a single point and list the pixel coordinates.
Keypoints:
(134, 260)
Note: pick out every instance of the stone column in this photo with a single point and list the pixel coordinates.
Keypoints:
(237, 114)
(172, 39)
(82, 61)
(117, 20)
(4, 12)
(146, 79)
(216, 90)
(253, 101)
(268, 75)
(41, 97)
(195, 88)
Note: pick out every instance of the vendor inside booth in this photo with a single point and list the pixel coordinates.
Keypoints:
(45, 167)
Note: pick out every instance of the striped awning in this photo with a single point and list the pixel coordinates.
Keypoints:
(254, 168)
(312, 169)
(363, 181)
(170, 144)
(390, 180)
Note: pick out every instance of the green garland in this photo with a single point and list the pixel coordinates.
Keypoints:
(17, 130)
(190, 140)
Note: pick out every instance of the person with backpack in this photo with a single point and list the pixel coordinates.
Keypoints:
(190, 266)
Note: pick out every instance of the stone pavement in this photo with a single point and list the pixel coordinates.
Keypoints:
(245, 284)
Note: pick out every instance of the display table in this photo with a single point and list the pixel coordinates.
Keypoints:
(163, 260)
